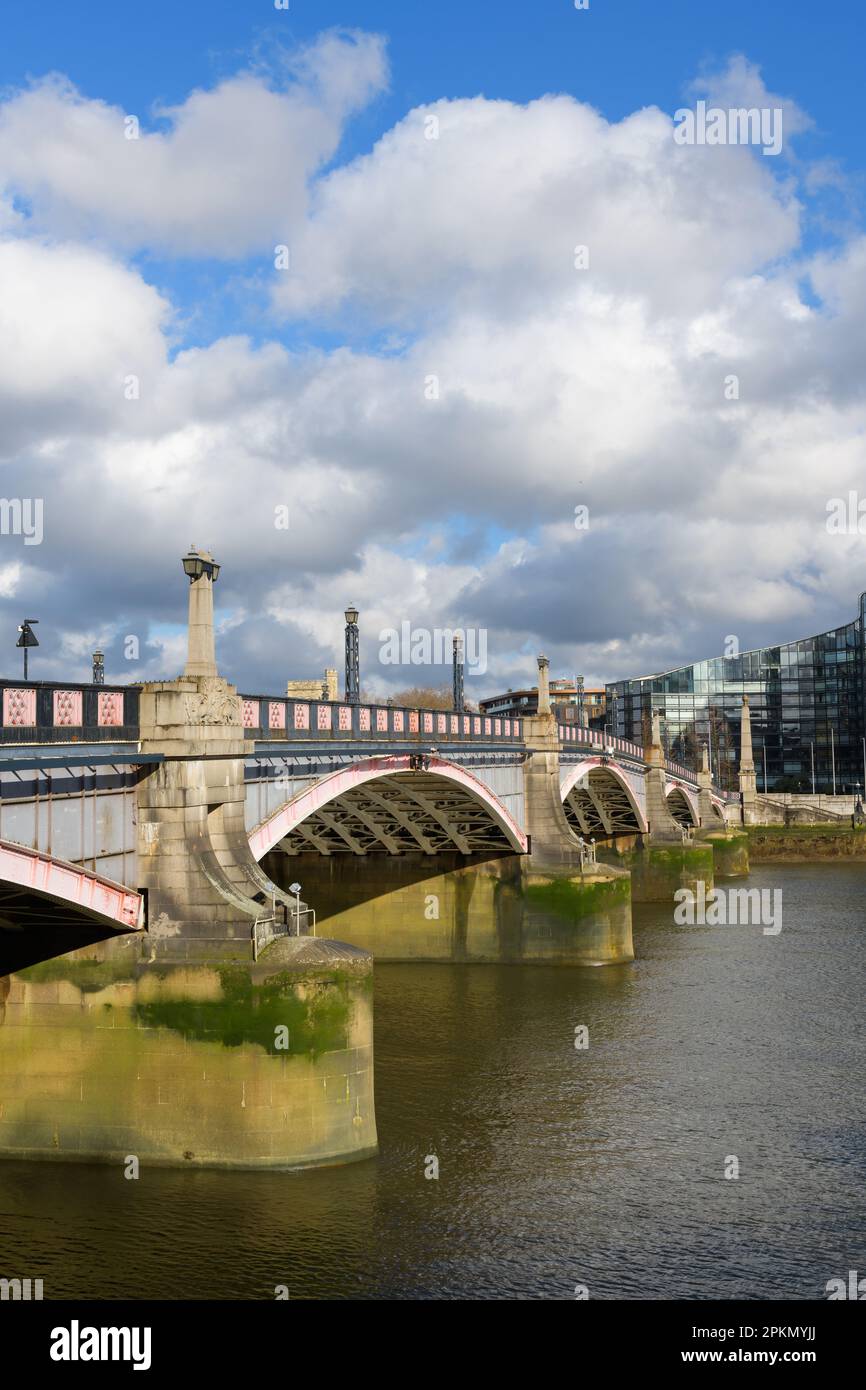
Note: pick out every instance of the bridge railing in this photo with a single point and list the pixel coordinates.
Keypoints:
(54, 712)
(575, 735)
(286, 720)
(268, 927)
(687, 774)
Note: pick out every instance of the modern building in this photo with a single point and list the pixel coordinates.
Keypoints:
(807, 702)
(595, 706)
(569, 701)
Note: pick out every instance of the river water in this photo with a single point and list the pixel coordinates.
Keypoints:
(558, 1166)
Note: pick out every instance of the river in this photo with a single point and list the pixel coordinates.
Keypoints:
(558, 1166)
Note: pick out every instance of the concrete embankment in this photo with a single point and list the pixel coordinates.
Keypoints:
(800, 844)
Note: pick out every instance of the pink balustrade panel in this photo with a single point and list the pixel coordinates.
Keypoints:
(324, 717)
(413, 721)
(398, 721)
(345, 718)
(476, 725)
(364, 721)
(67, 708)
(276, 714)
(251, 714)
(302, 716)
(466, 723)
(19, 707)
(382, 721)
(109, 709)
(455, 724)
(428, 723)
(440, 724)
(487, 726)
(498, 729)
(508, 728)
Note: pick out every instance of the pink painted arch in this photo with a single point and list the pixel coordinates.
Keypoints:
(582, 769)
(65, 883)
(283, 821)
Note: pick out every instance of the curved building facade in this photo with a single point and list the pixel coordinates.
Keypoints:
(807, 702)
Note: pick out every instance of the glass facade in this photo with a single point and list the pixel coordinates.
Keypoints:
(807, 702)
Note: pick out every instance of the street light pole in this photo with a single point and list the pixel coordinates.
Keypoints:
(353, 665)
(296, 889)
(27, 639)
(457, 681)
(99, 668)
(812, 751)
(833, 755)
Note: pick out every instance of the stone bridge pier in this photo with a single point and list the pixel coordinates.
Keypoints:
(204, 888)
(559, 879)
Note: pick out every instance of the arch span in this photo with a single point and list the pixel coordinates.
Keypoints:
(49, 906)
(682, 803)
(393, 805)
(598, 800)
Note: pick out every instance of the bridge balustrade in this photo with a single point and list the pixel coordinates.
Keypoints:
(58, 712)
(62, 712)
(285, 720)
(576, 734)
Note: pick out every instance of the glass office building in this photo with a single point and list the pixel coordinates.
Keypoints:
(807, 702)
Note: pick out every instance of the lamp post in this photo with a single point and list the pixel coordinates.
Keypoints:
(296, 889)
(812, 751)
(458, 675)
(203, 572)
(833, 755)
(98, 668)
(27, 638)
(353, 667)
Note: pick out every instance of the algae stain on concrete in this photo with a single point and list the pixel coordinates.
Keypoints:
(316, 1014)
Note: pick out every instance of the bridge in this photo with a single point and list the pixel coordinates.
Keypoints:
(180, 788)
(155, 842)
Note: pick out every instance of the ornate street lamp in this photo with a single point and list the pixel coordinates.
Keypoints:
(99, 668)
(457, 682)
(27, 639)
(353, 668)
(197, 563)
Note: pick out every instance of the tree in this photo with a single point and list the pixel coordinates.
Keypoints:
(424, 697)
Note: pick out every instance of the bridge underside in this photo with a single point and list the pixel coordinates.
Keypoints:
(400, 814)
(34, 928)
(678, 805)
(599, 805)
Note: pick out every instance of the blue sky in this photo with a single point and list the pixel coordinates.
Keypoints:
(410, 259)
(618, 56)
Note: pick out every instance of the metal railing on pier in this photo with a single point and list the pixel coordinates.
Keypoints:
(269, 928)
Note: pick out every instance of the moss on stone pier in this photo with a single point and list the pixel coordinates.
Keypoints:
(657, 871)
(315, 1014)
(730, 852)
(574, 898)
